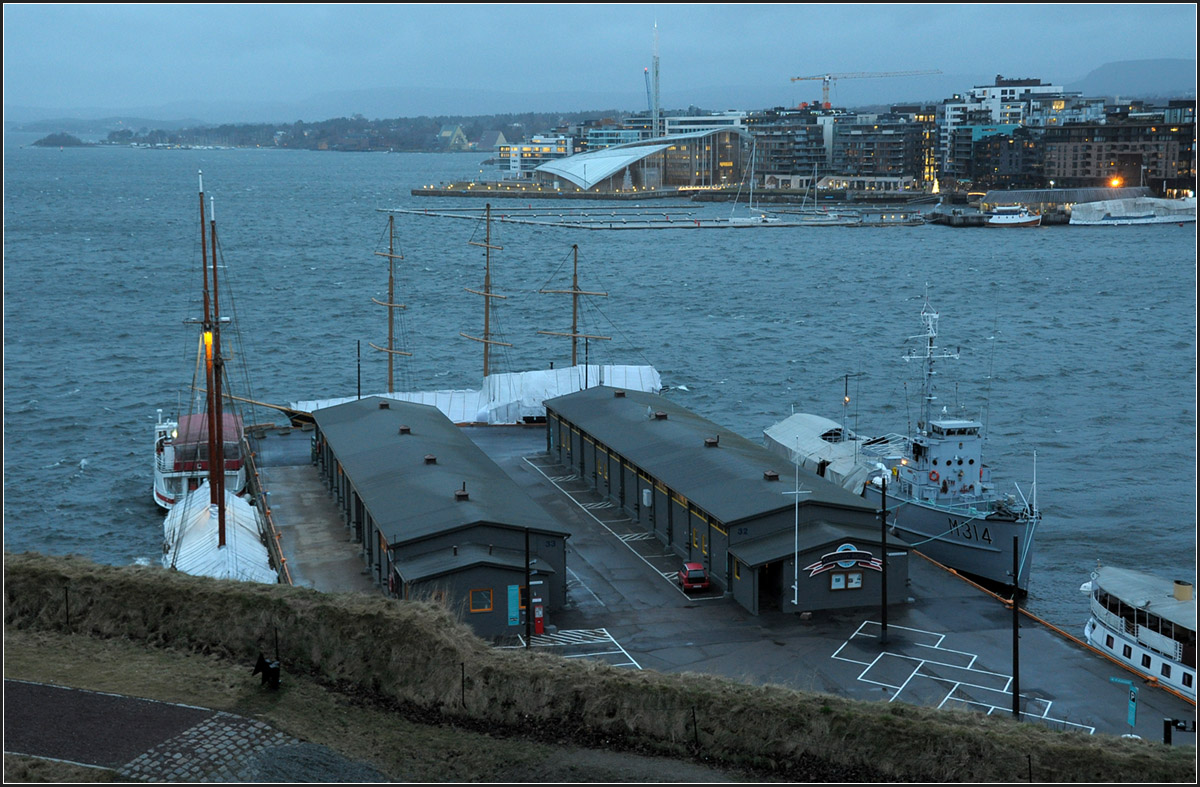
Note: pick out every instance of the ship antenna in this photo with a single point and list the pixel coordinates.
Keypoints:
(987, 399)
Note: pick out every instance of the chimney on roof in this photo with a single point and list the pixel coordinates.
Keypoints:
(405, 430)
(618, 394)
(461, 494)
(384, 405)
(712, 442)
(659, 415)
(430, 459)
(771, 475)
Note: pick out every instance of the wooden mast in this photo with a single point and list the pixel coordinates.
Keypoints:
(575, 292)
(487, 294)
(216, 461)
(391, 304)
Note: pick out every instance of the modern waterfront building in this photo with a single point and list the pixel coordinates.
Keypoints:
(702, 159)
(713, 497)
(518, 160)
(1005, 102)
(1132, 153)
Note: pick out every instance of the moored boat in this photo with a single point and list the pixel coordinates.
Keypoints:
(1132, 211)
(209, 530)
(181, 456)
(940, 497)
(1145, 622)
(1012, 216)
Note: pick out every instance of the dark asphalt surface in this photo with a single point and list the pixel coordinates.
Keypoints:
(87, 727)
(146, 740)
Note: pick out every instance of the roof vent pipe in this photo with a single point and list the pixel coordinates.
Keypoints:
(712, 442)
(618, 394)
(461, 494)
(430, 459)
(384, 406)
(405, 430)
(659, 415)
(771, 475)
(455, 548)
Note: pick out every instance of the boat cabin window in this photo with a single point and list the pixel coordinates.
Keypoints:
(834, 436)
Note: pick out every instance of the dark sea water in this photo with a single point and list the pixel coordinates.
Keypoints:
(1080, 341)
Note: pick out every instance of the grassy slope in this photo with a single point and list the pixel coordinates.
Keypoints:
(367, 676)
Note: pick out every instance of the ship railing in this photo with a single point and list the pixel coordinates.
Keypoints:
(1143, 635)
(271, 534)
(886, 446)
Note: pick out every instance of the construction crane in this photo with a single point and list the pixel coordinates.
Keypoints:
(828, 79)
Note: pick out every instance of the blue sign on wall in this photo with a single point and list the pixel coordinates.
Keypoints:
(514, 605)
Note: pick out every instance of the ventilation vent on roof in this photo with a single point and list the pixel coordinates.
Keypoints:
(405, 430)
(712, 442)
(659, 415)
(618, 394)
(461, 494)
(430, 459)
(383, 405)
(771, 475)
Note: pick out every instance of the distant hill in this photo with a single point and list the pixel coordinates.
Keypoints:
(1174, 78)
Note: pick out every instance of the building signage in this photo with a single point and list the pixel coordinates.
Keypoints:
(845, 556)
(514, 605)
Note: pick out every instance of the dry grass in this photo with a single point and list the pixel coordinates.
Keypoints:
(410, 665)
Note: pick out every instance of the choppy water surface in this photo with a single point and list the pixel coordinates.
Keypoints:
(1078, 344)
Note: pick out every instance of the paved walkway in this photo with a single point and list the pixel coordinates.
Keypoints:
(150, 741)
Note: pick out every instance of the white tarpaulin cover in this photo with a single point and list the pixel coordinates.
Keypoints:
(191, 537)
(1138, 209)
(510, 398)
(798, 438)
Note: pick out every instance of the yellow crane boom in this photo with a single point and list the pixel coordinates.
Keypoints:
(827, 79)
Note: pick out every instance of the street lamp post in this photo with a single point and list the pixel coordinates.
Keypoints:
(796, 544)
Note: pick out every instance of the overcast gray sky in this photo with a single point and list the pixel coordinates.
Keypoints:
(124, 56)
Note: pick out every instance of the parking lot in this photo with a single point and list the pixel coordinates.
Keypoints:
(949, 645)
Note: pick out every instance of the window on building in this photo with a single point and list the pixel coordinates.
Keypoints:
(1127, 651)
(1166, 670)
(481, 600)
(1146, 661)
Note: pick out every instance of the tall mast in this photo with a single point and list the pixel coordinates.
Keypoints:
(216, 460)
(930, 318)
(487, 294)
(391, 304)
(206, 329)
(574, 292)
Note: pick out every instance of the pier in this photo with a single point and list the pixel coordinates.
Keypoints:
(950, 645)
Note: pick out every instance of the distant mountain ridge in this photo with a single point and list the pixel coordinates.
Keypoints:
(1162, 78)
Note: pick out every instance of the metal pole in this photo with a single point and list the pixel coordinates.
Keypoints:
(359, 346)
(529, 592)
(1016, 626)
(883, 634)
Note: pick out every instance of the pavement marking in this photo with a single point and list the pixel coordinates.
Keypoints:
(580, 638)
(636, 537)
(595, 518)
(961, 663)
(584, 585)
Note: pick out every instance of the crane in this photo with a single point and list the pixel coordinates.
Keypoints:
(827, 79)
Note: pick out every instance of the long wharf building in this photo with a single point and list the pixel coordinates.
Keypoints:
(437, 518)
(714, 497)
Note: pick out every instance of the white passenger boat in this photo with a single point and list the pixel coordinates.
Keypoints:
(1145, 622)
(1012, 216)
(940, 495)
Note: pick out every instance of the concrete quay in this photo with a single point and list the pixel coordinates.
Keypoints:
(949, 644)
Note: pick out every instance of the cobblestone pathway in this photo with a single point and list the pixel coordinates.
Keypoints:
(215, 750)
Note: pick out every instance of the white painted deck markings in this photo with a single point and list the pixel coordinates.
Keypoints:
(926, 661)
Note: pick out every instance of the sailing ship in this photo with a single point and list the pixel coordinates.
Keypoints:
(937, 491)
(756, 215)
(1146, 623)
(211, 531)
(509, 397)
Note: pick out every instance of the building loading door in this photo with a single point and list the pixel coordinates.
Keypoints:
(770, 587)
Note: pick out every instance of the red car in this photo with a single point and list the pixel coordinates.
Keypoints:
(693, 577)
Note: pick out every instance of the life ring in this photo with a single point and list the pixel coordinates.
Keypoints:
(933, 476)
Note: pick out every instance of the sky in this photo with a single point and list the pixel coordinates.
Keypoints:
(138, 56)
